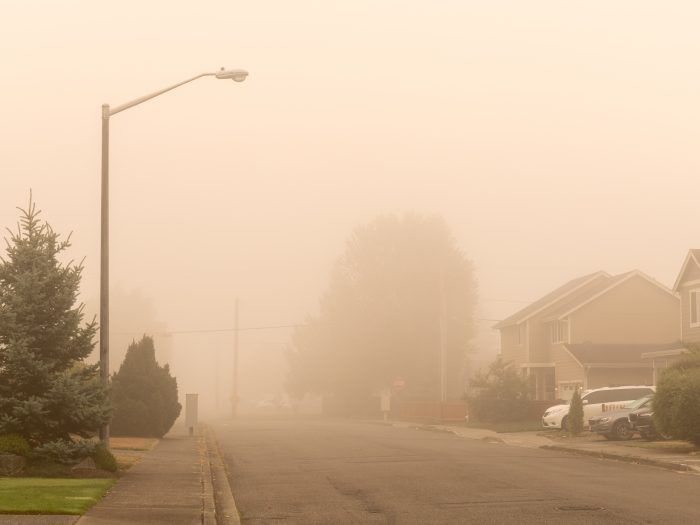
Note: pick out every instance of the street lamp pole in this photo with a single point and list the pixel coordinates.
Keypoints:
(237, 75)
(104, 263)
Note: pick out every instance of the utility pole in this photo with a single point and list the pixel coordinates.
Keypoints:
(443, 339)
(216, 376)
(234, 397)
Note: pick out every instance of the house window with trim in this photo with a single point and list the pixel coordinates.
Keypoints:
(558, 332)
(694, 314)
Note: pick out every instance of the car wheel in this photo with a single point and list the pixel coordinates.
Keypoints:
(565, 424)
(622, 430)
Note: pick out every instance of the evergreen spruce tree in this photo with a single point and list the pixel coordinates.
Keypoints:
(575, 416)
(144, 393)
(47, 392)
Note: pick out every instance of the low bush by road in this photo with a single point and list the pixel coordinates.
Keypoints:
(677, 399)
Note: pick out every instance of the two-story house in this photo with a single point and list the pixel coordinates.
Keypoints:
(687, 287)
(591, 332)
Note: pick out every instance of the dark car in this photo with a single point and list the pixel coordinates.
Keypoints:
(616, 425)
(642, 420)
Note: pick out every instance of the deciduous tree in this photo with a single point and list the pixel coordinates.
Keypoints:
(399, 280)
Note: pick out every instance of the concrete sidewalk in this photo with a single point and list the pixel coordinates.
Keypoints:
(168, 486)
(603, 449)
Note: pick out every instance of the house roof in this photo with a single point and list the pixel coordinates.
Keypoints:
(551, 298)
(577, 300)
(573, 295)
(593, 353)
(693, 256)
(616, 281)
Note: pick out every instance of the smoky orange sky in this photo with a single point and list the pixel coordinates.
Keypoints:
(556, 138)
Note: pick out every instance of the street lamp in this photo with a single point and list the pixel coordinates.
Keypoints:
(237, 75)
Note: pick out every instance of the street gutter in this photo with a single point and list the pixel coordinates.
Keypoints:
(668, 465)
(225, 511)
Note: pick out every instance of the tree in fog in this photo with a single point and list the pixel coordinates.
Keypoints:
(132, 314)
(47, 393)
(397, 280)
(144, 393)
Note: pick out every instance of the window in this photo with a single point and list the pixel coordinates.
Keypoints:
(617, 395)
(558, 332)
(694, 317)
(600, 396)
(520, 334)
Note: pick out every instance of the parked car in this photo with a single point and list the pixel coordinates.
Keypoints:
(642, 420)
(596, 402)
(616, 424)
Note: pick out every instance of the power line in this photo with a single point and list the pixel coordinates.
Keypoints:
(249, 328)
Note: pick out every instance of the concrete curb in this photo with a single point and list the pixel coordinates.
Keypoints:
(226, 512)
(433, 428)
(208, 504)
(668, 465)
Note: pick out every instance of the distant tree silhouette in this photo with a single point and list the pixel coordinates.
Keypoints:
(381, 316)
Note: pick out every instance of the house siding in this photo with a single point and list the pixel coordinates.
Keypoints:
(690, 334)
(511, 351)
(539, 343)
(566, 368)
(601, 377)
(635, 311)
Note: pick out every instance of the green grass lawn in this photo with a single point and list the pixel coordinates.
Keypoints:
(50, 496)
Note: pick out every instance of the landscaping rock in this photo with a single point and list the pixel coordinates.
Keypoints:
(85, 464)
(11, 464)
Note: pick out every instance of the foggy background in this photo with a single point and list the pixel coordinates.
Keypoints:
(555, 139)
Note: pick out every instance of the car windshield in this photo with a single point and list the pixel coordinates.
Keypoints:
(639, 403)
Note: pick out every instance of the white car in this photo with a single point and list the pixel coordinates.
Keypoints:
(596, 402)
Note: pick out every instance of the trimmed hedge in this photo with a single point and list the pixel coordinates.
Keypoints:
(677, 399)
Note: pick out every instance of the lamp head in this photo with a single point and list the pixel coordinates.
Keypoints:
(237, 75)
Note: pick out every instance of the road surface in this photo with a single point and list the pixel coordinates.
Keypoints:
(328, 471)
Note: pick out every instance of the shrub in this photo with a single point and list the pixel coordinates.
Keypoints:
(14, 444)
(575, 414)
(499, 395)
(144, 394)
(65, 452)
(104, 459)
(677, 399)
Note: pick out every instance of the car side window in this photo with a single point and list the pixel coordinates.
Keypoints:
(641, 392)
(596, 397)
(624, 394)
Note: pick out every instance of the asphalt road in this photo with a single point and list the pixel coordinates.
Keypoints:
(318, 471)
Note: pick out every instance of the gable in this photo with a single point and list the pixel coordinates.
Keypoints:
(572, 288)
(629, 287)
(690, 271)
